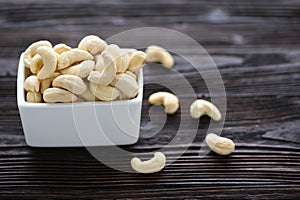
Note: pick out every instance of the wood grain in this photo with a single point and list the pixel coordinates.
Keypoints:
(256, 48)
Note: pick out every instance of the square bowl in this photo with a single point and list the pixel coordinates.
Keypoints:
(79, 124)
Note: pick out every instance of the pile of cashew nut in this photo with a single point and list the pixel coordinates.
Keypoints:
(97, 71)
(94, 71)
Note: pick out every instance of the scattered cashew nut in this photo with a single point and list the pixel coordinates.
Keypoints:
(57, 95)
(49, 60)
(170, 101)
(137, 61)
(158, 54)
(126, 84)
(201, 107)
(31, 51)
(60, 48)
(32, 84)
(68, 58)
(155, 164)
(104, 93)
(219, 145)
(82, 69)
(71, 83)
(93, 44)
(33, 97)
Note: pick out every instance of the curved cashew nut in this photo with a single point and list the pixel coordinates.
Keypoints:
(202, 107)
(126, 84)
(106, 76)
(170, 101)
(219, 145)
(155, 164)
(121, 58)
(82, 69)
(57, 95)
(60, 48)
(36, 64)
(99, 63)
(33, 97)
(31, 51)
(45, 84)
(104, 93)
(93, 44)
(32, 84)
(71, 83)
(158, 54)
(49, 60)
(137, 61)
(68, 58)
(88, 95)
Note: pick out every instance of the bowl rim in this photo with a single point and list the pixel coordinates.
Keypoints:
(21, 93)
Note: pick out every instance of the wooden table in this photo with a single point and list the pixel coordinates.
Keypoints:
(256, 47)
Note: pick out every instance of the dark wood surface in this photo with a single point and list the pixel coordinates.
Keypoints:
(256, 47)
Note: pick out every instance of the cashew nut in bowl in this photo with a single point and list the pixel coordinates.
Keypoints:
(60, 48)
(168, 100)
(104, 93)
(32, 50)
(32, 84)
(155, 164)
(36, 64)
(126, 84)
(57, 95)
(106, 76)
(158, 54)
(45, 84)
(219, 145)
(93, 44)
(49, 60)
(82, 69)
(201, 107)
(33, 97)
(137, 61)
(71, 83)
(121, 58)
(68, 58)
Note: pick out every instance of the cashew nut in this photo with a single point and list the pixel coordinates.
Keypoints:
(137, 61)
(92, 44)
(155, 164)
(82, 69)
(158, 54)
(104, 93)
(60, 48)
(106, 76)
(202, 107)
(32, 84)
(71, 83)
(99, 66)
(126, 84)
(219, 145)
(88, 95)
(33, 97)
(56, 95)
(45, 84)
(31, 51)
(36, 64)
(130, 73)
(49, 60)
(68, 58)
(170, 101)
(121, 58)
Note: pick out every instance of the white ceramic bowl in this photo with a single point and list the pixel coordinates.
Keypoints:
(79, 124)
